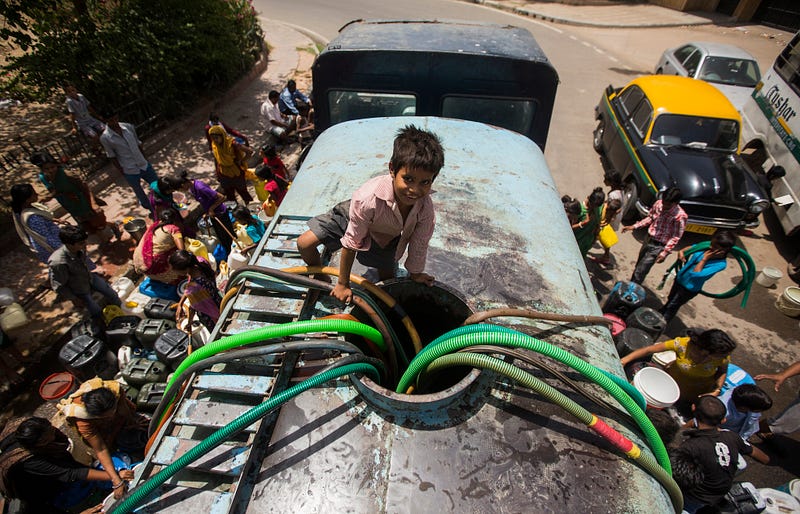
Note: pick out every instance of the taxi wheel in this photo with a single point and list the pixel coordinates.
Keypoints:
(597, 137)
(629, 197)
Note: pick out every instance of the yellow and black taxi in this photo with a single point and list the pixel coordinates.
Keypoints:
(662, 131)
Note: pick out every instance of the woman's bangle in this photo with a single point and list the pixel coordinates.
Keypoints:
(117, 486)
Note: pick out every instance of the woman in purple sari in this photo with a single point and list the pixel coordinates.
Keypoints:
(201, 296)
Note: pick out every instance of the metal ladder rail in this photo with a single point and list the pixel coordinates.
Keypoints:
(254, 306)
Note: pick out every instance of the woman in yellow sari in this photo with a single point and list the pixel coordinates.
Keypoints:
(230, 159)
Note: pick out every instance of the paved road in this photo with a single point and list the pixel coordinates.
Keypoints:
(588, 59)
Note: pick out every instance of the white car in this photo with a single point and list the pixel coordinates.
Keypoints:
(730, 69)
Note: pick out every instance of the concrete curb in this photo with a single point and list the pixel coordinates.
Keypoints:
(538, 14)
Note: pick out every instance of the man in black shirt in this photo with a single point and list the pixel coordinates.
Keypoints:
(717, 452)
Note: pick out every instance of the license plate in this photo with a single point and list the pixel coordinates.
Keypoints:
(700, 229)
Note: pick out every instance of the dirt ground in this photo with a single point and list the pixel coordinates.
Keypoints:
(181, 145)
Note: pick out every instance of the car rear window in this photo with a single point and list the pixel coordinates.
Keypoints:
(696, 132)
(734, 72)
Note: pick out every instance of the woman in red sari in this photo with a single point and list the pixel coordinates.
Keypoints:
(162, 239)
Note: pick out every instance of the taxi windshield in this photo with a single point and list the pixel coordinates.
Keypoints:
(695, 132)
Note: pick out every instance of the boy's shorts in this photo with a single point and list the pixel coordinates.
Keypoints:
(330, 228)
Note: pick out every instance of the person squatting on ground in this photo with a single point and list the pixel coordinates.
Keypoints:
(36, 226)
(588, 225)
(743, 407)
(73, 194)
(718, 453)
(71, 275)
(212, 203)
(787, 421)
(37, 468)
(666, 223)
(701, 363)
(279, 124)
(201, 296)
(292, 102)
(161, 198)
(385, 215)
(124, 148)
(160, 240)
(230, 164)
(697, 269)
(103, 416)
(248, 229)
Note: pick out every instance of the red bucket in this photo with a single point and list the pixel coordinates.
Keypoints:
(57, 386)
(617, 324)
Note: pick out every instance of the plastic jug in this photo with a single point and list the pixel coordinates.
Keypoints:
(6, 296)
(123, 286)
(197, 248)
(210, 242)
(13, 317)
(236, 259)
(242, 237)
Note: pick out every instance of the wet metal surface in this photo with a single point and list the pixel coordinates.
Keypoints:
(226, 382)
(226, 459)
(210, 414)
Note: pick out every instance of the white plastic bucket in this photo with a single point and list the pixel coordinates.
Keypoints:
(658, 388)
(769, 276)
(789, 302)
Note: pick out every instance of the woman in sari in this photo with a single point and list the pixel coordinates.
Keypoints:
(160, 240)
(202, 296)
(35, 225)
(161, 198)
(73, 195)
(212, 203)
(230, 160)
(588, 226)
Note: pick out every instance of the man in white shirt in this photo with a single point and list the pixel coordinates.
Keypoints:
(124, 148)
(278, 124)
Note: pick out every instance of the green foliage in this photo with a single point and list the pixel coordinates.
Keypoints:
(167, 52)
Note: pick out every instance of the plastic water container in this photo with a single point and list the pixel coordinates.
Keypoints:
(87, 327)
(200, 334)
(624, 298)
(57, 386)
(149, 330)
(171, 347)
(236, 259)
(779, 502)
(123, 286)
(6, 296)
(789, 302)
(658, 388)
(150, 396)
(87, 357)
(160, 308)
(134, 304)
(198, 248)
(632, 339)
(647, 319)
(13, 317)
(617, 324)
(121, 331)
(769, 276)
(140, 371)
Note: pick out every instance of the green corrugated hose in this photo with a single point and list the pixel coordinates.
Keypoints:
(485, 327)
(276, 331)
(141, 493)
(476, 360)
(520, 340)
(745, 262)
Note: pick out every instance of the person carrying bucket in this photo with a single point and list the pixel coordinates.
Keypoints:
(701, 362)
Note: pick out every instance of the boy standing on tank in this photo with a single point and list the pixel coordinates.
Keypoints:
(386, 214)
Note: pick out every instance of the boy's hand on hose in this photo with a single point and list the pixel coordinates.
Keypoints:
(343, 293)
(423, 278)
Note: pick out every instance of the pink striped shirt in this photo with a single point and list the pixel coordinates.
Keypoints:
(374, 214)
(665, 227)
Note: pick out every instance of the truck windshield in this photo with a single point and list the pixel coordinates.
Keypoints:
(696, 132)
(353, 105)
(516, 115)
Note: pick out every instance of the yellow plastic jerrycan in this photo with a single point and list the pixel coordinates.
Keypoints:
(196, 247)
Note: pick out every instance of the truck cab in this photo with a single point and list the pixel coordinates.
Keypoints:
(494, 74)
